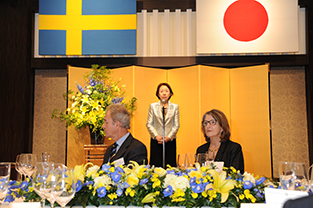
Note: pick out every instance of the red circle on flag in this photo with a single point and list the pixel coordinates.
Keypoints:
(245, 20)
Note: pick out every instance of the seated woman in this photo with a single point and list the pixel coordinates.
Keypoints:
(216, 131)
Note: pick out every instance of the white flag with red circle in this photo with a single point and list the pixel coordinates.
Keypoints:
(247, 26)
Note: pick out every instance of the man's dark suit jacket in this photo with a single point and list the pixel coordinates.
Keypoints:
(304, 202)
(229, 152)
(131, 150)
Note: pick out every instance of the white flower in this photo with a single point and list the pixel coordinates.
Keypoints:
(176, 182)
(103, 180)
(92, 171)
(248, 177)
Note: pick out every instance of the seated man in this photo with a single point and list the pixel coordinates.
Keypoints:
(126, 148)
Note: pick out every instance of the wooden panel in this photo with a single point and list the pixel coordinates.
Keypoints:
(95, 153)
(250, 116)
(214, 91)
(185, 84)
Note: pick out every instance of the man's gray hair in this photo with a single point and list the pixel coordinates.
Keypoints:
(120, 113)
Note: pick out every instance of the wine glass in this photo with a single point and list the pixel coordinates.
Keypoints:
(65, 188)
(301, 177)
(5, 169)
(45, 157)
(51, 182)
(287, 175)
(40, 177)
(202, 159)
(28, 163)
(190, 159)
(181, 161)
(19, 168)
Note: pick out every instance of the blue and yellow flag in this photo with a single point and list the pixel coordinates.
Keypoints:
(87, 27)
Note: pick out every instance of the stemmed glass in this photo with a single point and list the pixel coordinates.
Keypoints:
(18, 167)
(51, 182)
(28, 163)
(181, 161)
(5, 170)
(40, 179)
(65, 188)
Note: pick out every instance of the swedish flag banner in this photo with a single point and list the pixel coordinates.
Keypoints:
(87, 27)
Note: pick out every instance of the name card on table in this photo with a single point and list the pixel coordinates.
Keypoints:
(275, 198)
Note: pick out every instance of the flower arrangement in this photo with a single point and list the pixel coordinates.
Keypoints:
(140, 185)
(89, 103)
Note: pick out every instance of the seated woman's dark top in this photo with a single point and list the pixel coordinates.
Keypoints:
(229, 152)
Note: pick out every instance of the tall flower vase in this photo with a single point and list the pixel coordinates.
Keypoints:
(95, 137)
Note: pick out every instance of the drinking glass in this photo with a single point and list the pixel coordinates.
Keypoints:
(45, 157)
(5, 169)
(28, 163)
(301, 177)
(181, 161)
(287, 175)
(203, 159)
(40, 179)
(51, 182)
(191, 158)
(65, 188)
(19, 168)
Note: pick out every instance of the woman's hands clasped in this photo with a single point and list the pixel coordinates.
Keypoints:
(160, 139)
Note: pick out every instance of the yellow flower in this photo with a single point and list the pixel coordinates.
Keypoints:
(160, 171)
(194, 195)
(79, 172)
(132, 180)
(220, 184)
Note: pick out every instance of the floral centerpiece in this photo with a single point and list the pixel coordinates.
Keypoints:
(89, 103)
(139, 185)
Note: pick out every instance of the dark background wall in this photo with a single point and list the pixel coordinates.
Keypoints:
(17, 68)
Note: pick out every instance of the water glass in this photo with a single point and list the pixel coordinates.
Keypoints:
(5, 170)
(287, 175)
(45, 157)
(202, 159)
(301, 177)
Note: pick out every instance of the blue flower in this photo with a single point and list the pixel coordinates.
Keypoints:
(78, 185)
(260, 195)
(260, 181)
(143, 181)
(119, 192)
(9, 198)
(101, 192)
(88, 183)
(116, 176)
(24, 185)
(197, 188)
(80, 88)
(168, 191)
(247, 184)
(106, 167)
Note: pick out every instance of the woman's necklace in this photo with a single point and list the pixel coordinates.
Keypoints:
(214, 150)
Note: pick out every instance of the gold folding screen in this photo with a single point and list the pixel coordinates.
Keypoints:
(241, 93)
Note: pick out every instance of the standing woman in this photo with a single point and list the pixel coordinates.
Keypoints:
(155, 127)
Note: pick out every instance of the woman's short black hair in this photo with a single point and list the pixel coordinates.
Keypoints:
(164, 84)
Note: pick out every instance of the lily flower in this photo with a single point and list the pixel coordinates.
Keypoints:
(220, 184)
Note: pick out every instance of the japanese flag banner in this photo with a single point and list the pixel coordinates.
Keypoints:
(247, 26)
